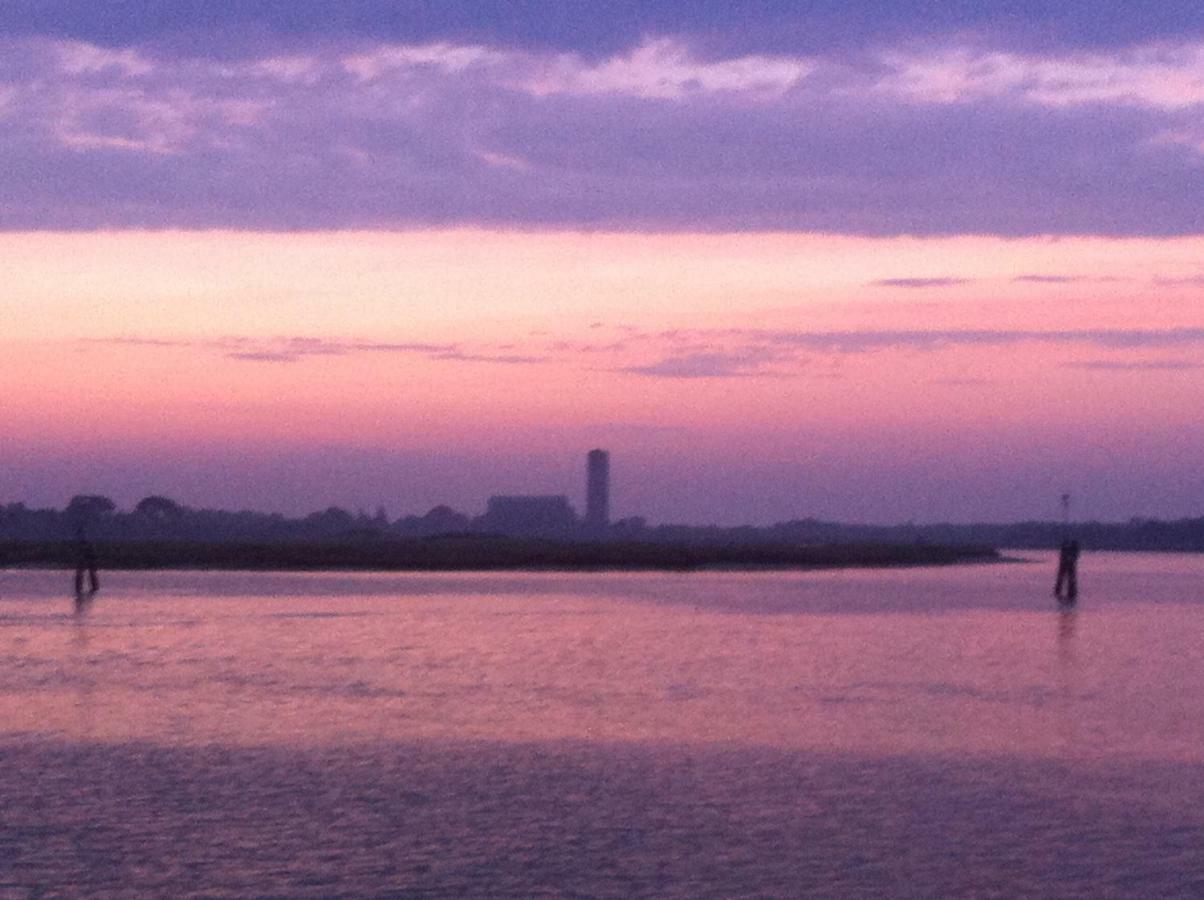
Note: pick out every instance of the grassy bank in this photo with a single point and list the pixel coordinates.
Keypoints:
(483, 553)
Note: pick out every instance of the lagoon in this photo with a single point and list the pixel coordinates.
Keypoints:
(919, 732)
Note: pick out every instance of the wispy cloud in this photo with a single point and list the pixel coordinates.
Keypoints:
(282, 349)
(140, 342)
(510, 359)
(869, 340)
(750, 362)
(665, 69)
(263, 356)
(1067, 279)
(1140, 365)
(1168, 78)
(919, 282)
(1190, 280)
(739, 353)
(296, 349)
(962, 382)
(1045, 279)
(699, 353)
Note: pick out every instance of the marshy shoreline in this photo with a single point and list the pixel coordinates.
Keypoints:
(485, 553)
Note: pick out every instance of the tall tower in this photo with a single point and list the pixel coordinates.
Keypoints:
(597, 489)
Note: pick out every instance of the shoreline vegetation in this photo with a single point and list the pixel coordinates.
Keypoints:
(477, 553)
(161, 519)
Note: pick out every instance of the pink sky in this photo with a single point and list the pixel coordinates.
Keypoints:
(745, 377)
(913, 261)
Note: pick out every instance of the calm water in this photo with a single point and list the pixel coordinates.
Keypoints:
(928, 732)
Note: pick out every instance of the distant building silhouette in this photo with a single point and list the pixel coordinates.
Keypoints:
(529, 515)
(597, 490)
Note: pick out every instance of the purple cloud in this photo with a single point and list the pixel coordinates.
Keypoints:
(749, 363)
(1066, 279)
(264, 356)
(865, 341)
(1046, 279)
(741, 353)
(701, 353)
(1191, 281)
(660, 135)
(285, 349)
(503, 359)
(295, 349)
(919, 282)
(1140, 365)
(225, 30)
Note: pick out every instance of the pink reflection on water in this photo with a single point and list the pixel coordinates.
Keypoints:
(965, 660)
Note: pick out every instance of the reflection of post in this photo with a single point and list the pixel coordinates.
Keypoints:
(85, 684)
(1066, 622)
(1065, 707)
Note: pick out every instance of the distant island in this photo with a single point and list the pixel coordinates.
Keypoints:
(528, 532)
(540, 521)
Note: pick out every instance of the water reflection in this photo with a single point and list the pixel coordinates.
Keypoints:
(84, 682)
(604, 736)
(1067, 702)
(83, 602)
(665, 659)
(1067, 625)
(586, 820)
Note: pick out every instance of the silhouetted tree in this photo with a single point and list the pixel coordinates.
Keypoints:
(331, 520)
(158, 509)
(86, 509)
(444, 520)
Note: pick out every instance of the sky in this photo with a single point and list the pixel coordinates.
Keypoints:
(875, 262)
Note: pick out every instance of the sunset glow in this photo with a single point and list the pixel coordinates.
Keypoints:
(933, 277)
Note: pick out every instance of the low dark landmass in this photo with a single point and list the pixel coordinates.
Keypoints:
(1155, 535)
(459, 553)
(160, 519)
